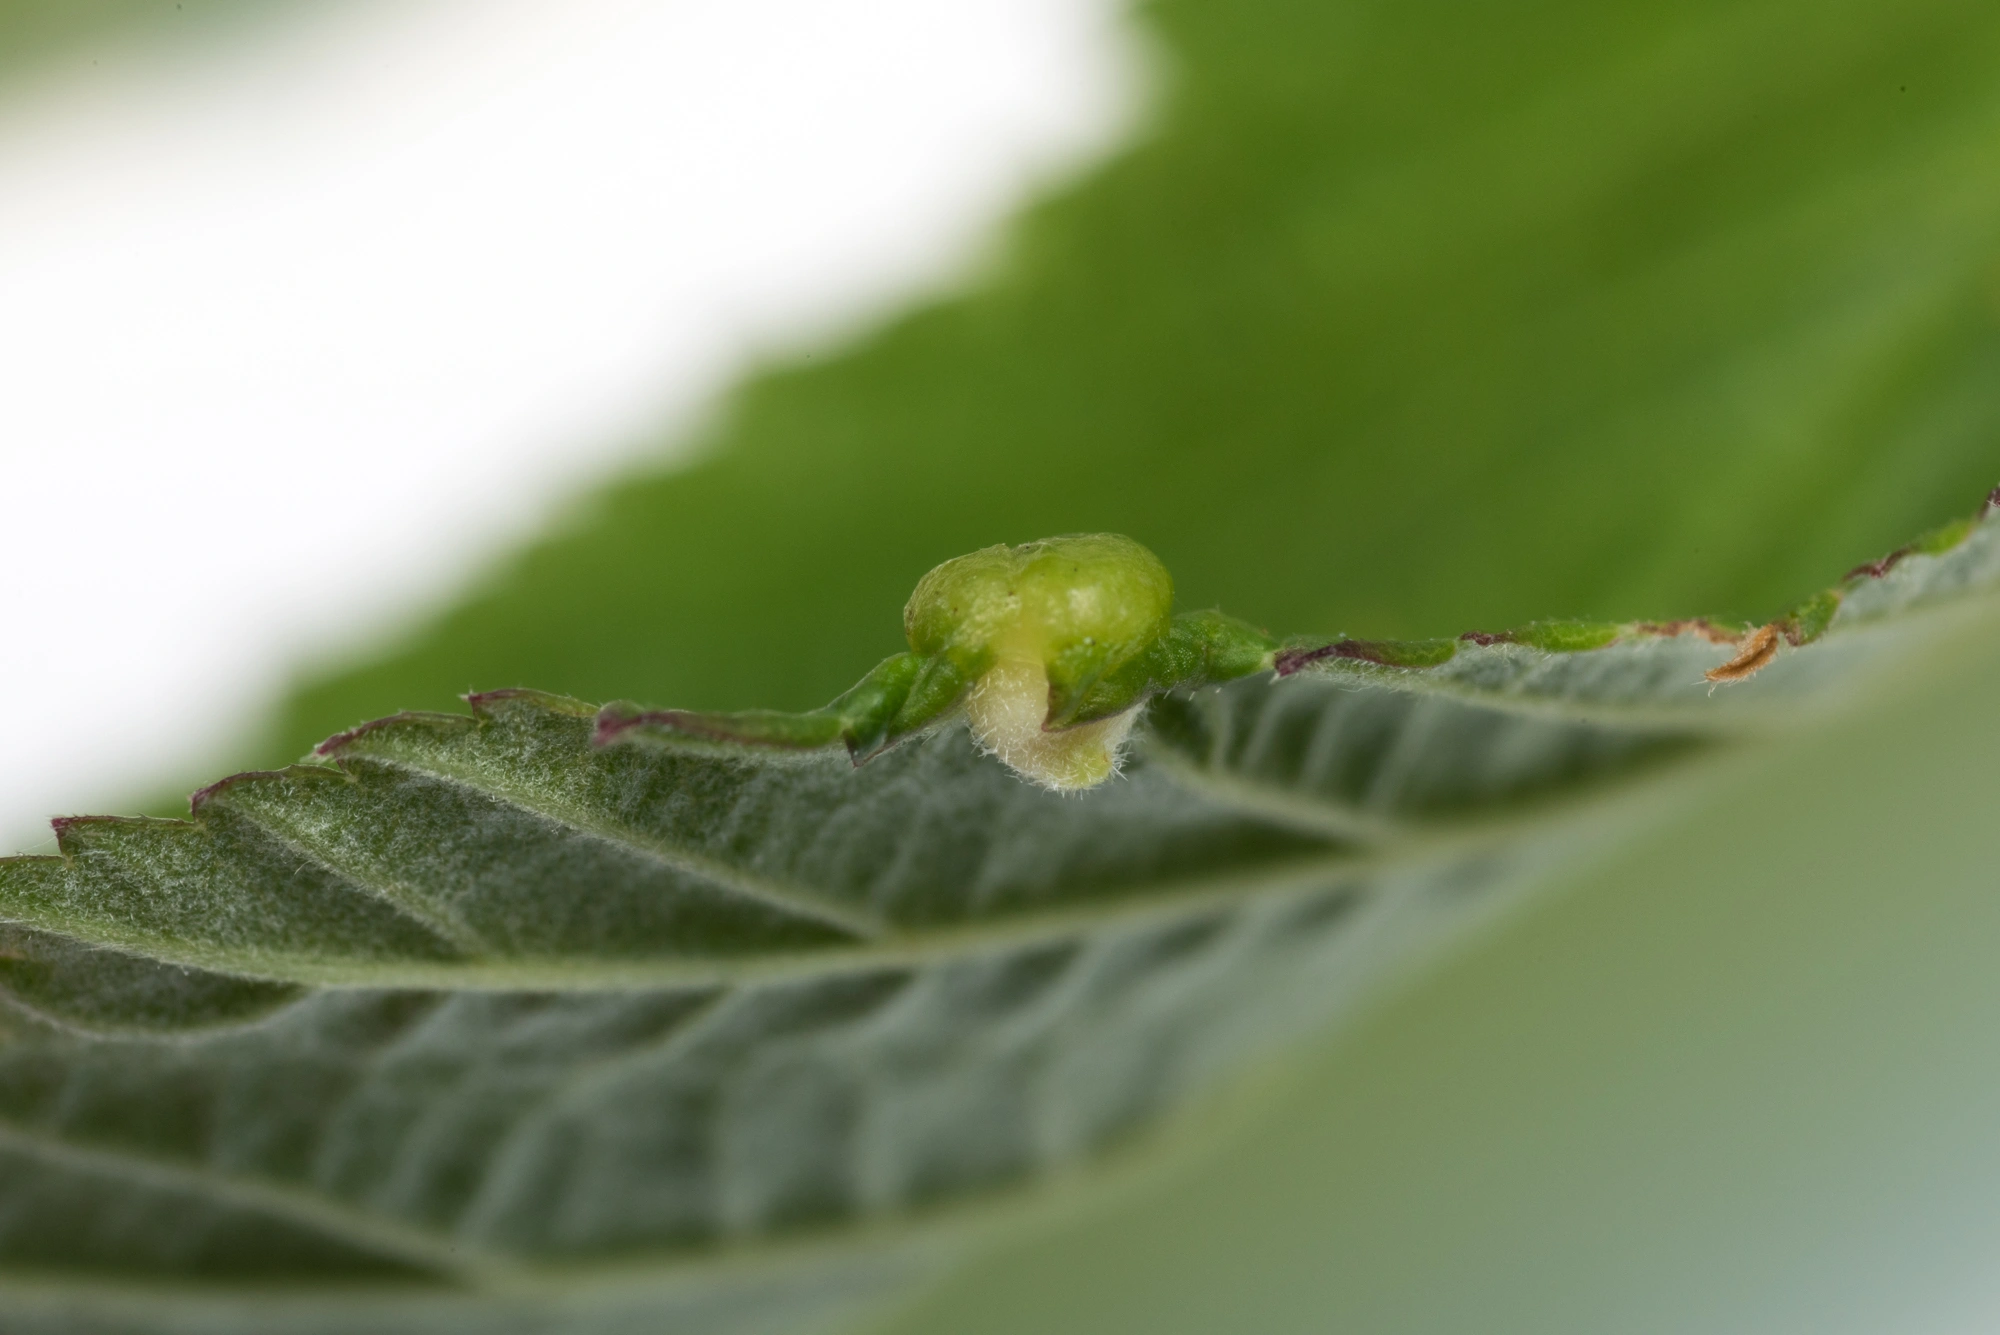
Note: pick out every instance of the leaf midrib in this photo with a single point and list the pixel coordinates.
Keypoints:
(584, 973)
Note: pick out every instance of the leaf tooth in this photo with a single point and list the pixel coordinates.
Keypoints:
(409, 718)
(184, 890)
(529, 754)
(403, 896)
(73, 832)
(482, 703)
(514, 771)
(799, 902)
(200, 798)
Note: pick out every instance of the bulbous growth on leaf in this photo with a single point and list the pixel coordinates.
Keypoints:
(1080, 604)
(1033, 628)
(1049, 648)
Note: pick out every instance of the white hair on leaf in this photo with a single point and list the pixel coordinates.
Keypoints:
(1007, 709)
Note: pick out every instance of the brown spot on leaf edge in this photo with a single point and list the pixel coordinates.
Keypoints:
(1758, 649)
(691, 722)
(1288, 661)
(1878, 568)
(1701, 626)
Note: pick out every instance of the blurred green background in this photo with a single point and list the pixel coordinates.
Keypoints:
(36, 32)
(1401, 319)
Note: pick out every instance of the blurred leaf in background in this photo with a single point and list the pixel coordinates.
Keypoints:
(1402, 319)
(34, 32)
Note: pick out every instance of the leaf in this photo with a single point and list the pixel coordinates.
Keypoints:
(33, 32)
(1733, 1078)
(469, 1020)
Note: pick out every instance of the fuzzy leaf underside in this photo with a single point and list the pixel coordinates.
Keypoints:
(470, 1023)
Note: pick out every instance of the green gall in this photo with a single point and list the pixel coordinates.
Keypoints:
(1048, 649)
(1081, 605)
(1035, 627)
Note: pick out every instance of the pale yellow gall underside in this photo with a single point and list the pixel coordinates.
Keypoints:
(1033, 624)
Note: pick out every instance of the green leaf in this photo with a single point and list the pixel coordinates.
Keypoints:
(1734, 1077)
(472, 1015)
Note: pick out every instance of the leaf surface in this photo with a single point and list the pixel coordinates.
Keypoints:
(470, 1015)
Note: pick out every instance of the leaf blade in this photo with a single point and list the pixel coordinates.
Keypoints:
(407, 1052)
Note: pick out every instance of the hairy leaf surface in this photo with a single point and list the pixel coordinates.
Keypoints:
(469, 1020)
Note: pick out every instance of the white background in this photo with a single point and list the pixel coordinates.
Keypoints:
(297, 328)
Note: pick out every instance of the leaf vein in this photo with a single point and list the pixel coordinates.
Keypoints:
(799, 901)
(333, 1219)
